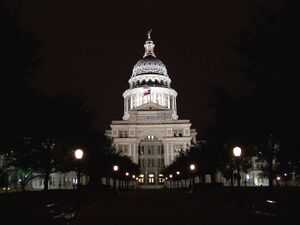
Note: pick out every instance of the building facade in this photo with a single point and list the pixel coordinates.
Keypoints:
(150, 132)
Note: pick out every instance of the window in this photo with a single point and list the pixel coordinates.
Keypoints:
(141, 178)
(178, 133)
(178, 148)
(125, 149)
(151, 179)
(123, 133)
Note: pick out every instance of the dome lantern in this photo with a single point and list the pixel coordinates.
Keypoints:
(149, 64)
(149, 46)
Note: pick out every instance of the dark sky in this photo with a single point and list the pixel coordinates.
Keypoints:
(93, 45)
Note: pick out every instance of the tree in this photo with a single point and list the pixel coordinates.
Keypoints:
(19, 59)
(266, 55)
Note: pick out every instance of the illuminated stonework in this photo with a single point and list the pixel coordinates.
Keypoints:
(151, 133)
(152, 73)
(149, 65)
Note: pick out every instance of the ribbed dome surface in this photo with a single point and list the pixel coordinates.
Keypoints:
(149, 65)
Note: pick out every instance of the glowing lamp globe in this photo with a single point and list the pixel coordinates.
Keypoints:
(192, 167)
(115, 168)
(237, 151)
(78, 154)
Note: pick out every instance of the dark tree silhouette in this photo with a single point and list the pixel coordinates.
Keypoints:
(269, 51)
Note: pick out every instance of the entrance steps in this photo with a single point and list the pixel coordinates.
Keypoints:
(155, 186)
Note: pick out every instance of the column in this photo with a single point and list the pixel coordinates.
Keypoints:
(166, 155)
(175, 104)
(168, 100)
(130, 101)
(124, 105)
(171, 152)
(137, 100)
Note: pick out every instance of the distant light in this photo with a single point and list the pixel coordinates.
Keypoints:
(115, 168)
(177, 172)
(270, 201)
(192, 167)
(137, 178)
(78, 154)
(133, 176)
(127, 174)
(237, 151)
(166, 178)
(285, 174)
(278, 178)
(248, 177)
(170, 175)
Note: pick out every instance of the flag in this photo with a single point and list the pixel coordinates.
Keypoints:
(147, 90)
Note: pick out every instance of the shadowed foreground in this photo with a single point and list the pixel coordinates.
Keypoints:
(172, 208)
(145, 207)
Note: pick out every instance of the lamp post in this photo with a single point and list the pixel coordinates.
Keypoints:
(237, 151)
(78, 153)
(78, 156)
(192, 168)
(115, 169)
(177, 173)
(127, 180)
(171, 181)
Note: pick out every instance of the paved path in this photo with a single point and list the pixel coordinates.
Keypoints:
(168, 208)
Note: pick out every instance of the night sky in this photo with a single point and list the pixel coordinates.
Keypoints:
(93, 46)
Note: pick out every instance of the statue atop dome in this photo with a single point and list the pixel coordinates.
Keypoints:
(149, 34)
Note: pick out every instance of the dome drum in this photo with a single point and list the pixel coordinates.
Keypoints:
(151, 80)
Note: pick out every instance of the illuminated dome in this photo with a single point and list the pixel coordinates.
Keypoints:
(149, 64)
(149, 84)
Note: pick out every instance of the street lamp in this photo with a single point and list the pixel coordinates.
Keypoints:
(78, 153)
(115, 169)
(237, 151)
(192, 168)
(177, 183)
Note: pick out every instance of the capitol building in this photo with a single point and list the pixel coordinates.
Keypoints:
(150, 132)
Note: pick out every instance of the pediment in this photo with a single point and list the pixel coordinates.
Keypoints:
(150, 106)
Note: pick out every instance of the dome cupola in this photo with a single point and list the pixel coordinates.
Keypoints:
(149, 64)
